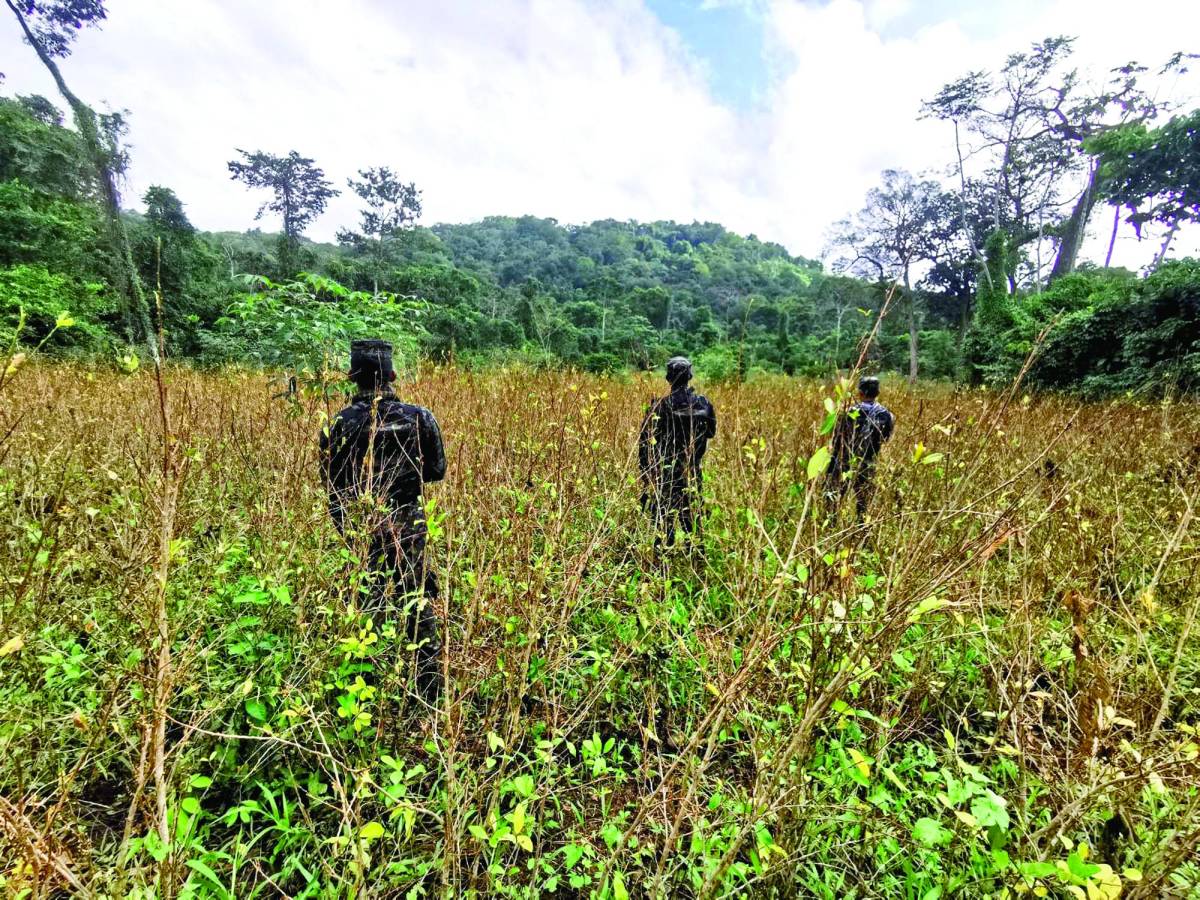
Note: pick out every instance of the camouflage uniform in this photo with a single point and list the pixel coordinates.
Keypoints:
(381, 447)
(857, 440)
(673, 439)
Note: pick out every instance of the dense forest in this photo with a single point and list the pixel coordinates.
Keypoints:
(974, 274)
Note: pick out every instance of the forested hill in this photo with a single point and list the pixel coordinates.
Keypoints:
(605, 296)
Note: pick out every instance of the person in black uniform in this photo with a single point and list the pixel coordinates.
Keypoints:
(860, 434)
(673, 439)
(376, 457)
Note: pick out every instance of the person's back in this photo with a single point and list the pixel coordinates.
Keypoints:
(872, 426)
(382, 446)
(382, 450)
(671, 446)
(860, 435)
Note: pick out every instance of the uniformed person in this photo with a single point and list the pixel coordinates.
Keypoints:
(671, 446)
(376, 457)
(860, 434)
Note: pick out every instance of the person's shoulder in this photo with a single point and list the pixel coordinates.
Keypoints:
(412, 410)
(350, 413)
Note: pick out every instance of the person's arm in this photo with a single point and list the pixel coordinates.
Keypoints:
(712, 420)
(433, 453)
(890, 426)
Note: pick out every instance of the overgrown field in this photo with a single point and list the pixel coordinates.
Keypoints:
(992, 690)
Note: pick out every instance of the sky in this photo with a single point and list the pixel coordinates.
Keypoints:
(773, 117)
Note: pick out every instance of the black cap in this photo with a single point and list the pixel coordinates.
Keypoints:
(868, 386)
(370, 360)
(679, 370)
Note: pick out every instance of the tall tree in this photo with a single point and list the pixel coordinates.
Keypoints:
(164, 212)
(1154, 173)
(391, 208)
(1027, 126)
(50, 27)
(895, 231)
(301, 193)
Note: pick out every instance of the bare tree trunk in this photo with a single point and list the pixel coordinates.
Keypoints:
(1166, 245)
(913, 363)
(1112, 239)
(1075, 228)
(137, 313)
(962, 208)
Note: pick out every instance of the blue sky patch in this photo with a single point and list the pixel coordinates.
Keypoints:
(727, 39)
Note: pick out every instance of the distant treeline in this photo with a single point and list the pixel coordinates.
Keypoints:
(601, 297)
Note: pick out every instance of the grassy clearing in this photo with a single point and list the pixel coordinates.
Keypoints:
(992, 691)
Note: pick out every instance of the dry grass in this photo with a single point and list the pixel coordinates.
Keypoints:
(1055, 661)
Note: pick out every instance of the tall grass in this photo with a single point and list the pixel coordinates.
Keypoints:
(989, 687)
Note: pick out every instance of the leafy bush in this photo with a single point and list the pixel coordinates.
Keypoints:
(33, 302)
(308, 324)
(1118, 334)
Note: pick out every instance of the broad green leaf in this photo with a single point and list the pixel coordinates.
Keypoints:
(257, 710)
(860, 763)
(989, 809)
(190, 805)
(818, 463)
(371, 831)
(523, 785)
(572, 853)
(928, 605)
(517, 818)
(931, 833)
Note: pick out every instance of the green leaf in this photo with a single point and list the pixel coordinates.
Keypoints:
(478, 832)
(371, 831)
(190, 805)
(572, 853)
(200, 782)
(818, 463)
(931, 459)
(989, 809)
(619, 891)
(1037, 869)
(1080, 868)
(256, 710)
(931, 833)
(64, 320)
(202, 869)
(517, 818)
(523, 785)
(928, 605)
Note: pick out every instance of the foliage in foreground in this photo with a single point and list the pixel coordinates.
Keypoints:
(987, 693)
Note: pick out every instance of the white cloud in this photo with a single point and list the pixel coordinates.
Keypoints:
(575, 109)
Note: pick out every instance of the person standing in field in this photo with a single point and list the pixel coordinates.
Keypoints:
(671, 446)
(377, 455)
(860, 434)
